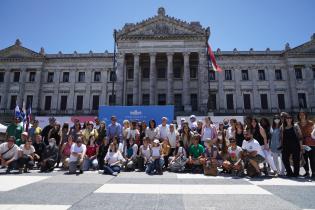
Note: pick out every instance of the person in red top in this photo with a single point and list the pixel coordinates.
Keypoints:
(306, 127)
(90, 159)
(66, 151)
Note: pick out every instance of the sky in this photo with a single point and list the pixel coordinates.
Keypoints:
(84, 25)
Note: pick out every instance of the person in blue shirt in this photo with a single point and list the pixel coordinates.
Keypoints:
(114, 129)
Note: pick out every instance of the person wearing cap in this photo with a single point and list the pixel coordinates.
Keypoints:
(193, 122)
(47, 128)
(50, 156)
(34, 130)
(77, 155)
(9, 154)
(114, 129)
(156, 162)
(163, 129)
(15, 129)
(88, 132)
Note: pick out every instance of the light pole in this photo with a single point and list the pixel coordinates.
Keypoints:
(113, 73)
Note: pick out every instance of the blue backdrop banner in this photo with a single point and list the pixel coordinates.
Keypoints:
(138, 113)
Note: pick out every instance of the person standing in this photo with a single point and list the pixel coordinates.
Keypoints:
(114, 129)
(15, 129)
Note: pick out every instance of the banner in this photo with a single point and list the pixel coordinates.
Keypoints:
(137, 113)
(43, 121)
(215, 119)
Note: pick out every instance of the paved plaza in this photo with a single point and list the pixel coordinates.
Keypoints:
(137, 190)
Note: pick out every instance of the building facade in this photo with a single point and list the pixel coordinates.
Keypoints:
(161, 60)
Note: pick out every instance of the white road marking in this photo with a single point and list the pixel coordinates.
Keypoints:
(33, 207)
(182, 189)
(200, 176)
(12, 182)
(281, 182)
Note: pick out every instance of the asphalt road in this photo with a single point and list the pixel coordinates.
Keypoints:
(137, 191)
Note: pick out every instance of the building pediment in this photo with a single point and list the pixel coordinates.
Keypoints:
(162, 26)
(306, 48)
(17, 51)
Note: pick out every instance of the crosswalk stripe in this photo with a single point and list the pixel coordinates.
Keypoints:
(181, 189)
(33, 207)
(13, 182)
(282, 182)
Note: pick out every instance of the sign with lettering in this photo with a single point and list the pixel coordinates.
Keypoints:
(136, 113)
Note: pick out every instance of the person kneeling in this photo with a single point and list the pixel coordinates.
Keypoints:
(233, 164)
(252, 154)
(50, 156)
(113, 161)
(26, 160)
(77, 155)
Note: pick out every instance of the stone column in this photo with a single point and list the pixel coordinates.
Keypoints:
(292, 93)
(135, 91)
(37, 99)
(238, 97)
(120, 83)
(170, 84)
(186, 78)
(152, 78)
(6, 100)
(203, 84)
(22, 86)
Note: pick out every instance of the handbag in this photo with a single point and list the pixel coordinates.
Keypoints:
(210, 168)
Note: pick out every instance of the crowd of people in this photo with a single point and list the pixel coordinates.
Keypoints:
(250, 148)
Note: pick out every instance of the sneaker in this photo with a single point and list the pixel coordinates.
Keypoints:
(115, 173)
(81, 171)
(25, 170)
(7, 171)
(306, 175)
(20, 170)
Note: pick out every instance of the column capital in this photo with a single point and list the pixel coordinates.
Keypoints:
(186, 54)
(170, 54)
(152, 54)
(137, 54)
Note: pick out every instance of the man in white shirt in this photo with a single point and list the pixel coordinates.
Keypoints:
(9, 154)
(163, 129)
(78, 151)
(252, 152)
(172, 137)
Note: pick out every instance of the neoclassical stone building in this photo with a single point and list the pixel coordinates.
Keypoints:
(161, 60)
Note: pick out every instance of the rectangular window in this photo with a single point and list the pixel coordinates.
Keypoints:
(65, 77)
(145, 99)
(130, 73)
(247, 104)
(111, 99)
(194, 102)
(81, 77)
(229, 101)
(79, 103)
(264, 101)
(302, 100)
(29, 101)
(145, 73)
(161, 73)
(212, 103)
(228, 74)
(129, 99)
(281, 101)
(193, 72)
(1, 76)
(178, 102)
(177, 72)
(261, 75)
(161, 99)
(97, 76)
(63, 103)
(245, 75)
(298, 73)
(312, 69)
(112, 76)
(50, 77)
(16, 76)
(211, 75)
(32, 76)
(13, 102)
(278, 74)
(47, 103)
(95, 102)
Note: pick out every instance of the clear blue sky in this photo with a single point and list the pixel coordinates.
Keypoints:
(83, 25)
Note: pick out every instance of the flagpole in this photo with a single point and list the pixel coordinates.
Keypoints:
(114, 71)
(208, 69)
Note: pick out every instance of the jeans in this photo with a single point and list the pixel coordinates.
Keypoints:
(88, 163)
(310, 156)
(111, 169)
(26, 161)
(155, 165)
